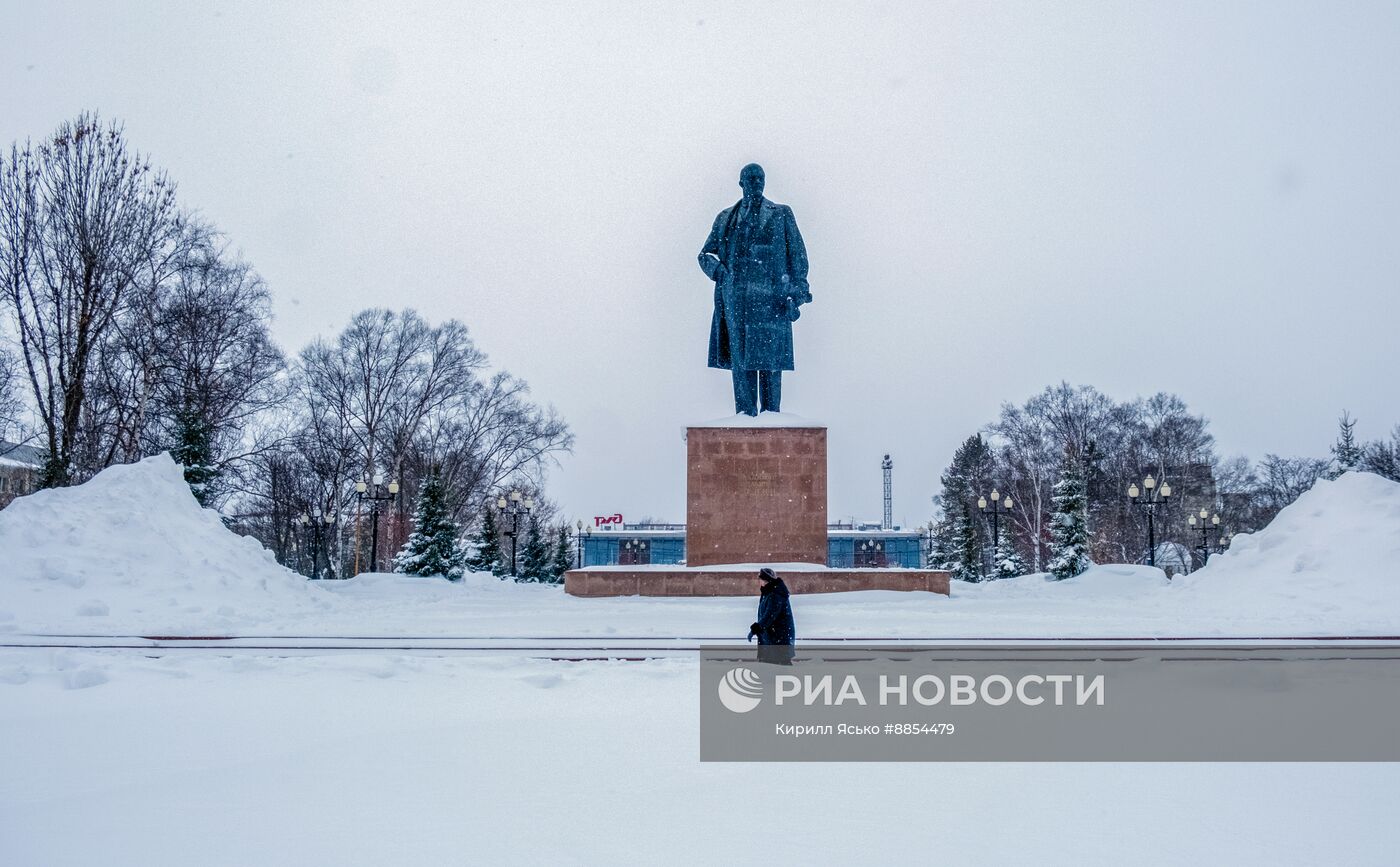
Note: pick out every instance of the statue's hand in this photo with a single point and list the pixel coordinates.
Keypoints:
(792, 310)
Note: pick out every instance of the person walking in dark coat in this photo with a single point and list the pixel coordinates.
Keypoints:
(775, 630)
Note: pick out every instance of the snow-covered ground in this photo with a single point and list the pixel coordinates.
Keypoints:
(376, 760)
(381, 758)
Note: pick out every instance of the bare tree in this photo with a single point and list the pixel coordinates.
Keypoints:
(119, 418)
(1027, 459)
(393, 395)
(1283, 480)
(80, 218)
(11, 407)
(1116, 444)
(1383, 458)
(217, 367)
(385, 374)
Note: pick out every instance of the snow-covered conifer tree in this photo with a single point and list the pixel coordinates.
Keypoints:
(1069, 525)
(194, 450)
(534, 557)
(958, 535)
(563, 556)
(965, 561)
(1346, 454)
(432, 548)
(1008, 561)
(486, 555)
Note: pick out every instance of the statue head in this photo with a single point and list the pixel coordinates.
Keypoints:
(751, 179)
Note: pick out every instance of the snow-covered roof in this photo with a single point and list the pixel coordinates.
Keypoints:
(16, 455)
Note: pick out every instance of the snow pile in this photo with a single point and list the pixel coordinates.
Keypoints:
(1334, 551)
(1110, 581)
(133, 550)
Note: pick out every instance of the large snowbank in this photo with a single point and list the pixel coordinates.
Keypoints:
(134, 550)
(1336, 549)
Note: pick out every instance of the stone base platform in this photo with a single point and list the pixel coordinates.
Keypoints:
(742, 580)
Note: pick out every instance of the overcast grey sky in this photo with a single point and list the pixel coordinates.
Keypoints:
(1195, 197)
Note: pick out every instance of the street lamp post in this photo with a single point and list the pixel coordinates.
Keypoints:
(515, 507)
(996, 508)
(928, 539)
(375, 492)
(1205, 529)
(634, 550)
(317, 521)
(578, 526)
(299, 524)
(1150, 500)
(870, 553)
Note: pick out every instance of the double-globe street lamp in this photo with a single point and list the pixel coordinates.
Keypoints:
(1153, 497)
(996, 508)
(375, 492)
(514, 507)
(317, 521)
(1205, 529)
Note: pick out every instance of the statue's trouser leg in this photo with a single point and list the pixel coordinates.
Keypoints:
(745, 391)
(770, 388)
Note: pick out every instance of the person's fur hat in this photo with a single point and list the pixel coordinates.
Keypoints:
(767, 574)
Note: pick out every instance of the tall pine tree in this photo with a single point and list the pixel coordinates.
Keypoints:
(432, 548)
(486, 555)
(534, 557)
(965, 561)
(1069, 525)
(958, 534)
(563, 556)
(1346, 454)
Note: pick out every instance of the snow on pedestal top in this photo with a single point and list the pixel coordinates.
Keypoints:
(763, 419)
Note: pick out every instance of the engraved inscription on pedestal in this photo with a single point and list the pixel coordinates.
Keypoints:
(755, 495)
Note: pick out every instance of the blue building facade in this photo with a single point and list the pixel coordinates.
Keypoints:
(847, 546)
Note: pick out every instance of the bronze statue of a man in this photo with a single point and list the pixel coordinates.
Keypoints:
(756, 257)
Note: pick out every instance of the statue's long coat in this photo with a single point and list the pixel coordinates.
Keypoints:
(755, 269)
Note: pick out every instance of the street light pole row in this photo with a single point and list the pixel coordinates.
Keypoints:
(1204, 522)
(1149, 497)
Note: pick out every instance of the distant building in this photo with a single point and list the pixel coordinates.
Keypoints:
(848, 546)
(19, 470)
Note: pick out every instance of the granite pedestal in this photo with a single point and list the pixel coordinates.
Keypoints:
(754, 496)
